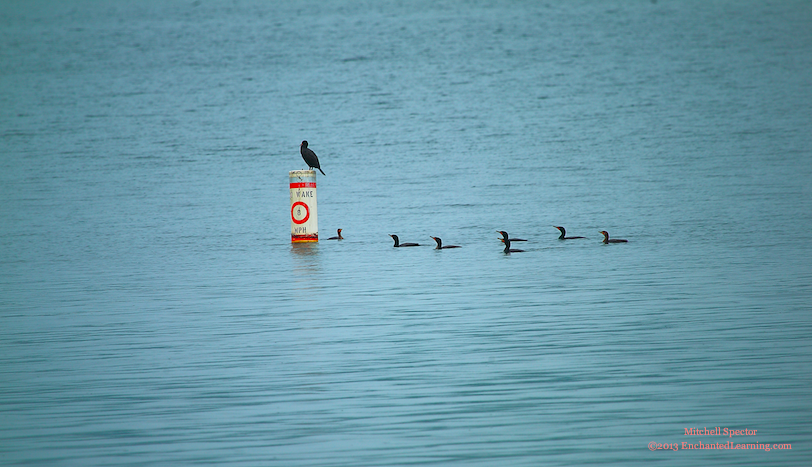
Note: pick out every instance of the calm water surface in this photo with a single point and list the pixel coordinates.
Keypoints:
(154, 312)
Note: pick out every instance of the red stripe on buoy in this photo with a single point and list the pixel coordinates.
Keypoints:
(303, 185)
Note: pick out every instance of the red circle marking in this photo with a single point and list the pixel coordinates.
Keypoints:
(307, 212)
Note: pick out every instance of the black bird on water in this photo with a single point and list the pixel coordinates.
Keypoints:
(507, 241)
(513, 240)
(614, 240)
(398, 244)
(564, 234)
(310, 157)
(440, 244)
(339, 237)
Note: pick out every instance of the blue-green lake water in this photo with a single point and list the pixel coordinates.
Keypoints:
(153, 310)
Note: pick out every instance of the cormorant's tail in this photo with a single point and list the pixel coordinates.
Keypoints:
(322, 172)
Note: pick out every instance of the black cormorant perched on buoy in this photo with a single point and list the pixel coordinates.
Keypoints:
(614, 240)
(564, 234)
(398, 244)
(310, 157)
(440, 244)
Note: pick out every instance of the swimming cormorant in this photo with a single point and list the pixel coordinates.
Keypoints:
(564, 234)
(440, 244)
(398, 244)
(339, 237)
(310, 157)
(507, 241)
(614, 240)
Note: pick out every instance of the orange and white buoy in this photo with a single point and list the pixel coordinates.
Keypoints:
(304, 219)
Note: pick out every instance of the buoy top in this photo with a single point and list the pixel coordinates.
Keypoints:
(302, 173)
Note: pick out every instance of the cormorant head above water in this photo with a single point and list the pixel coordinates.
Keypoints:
(564, 234)
(614, 240)
(440, 244)
(398, 244)
(310, 157)
(339, 237)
